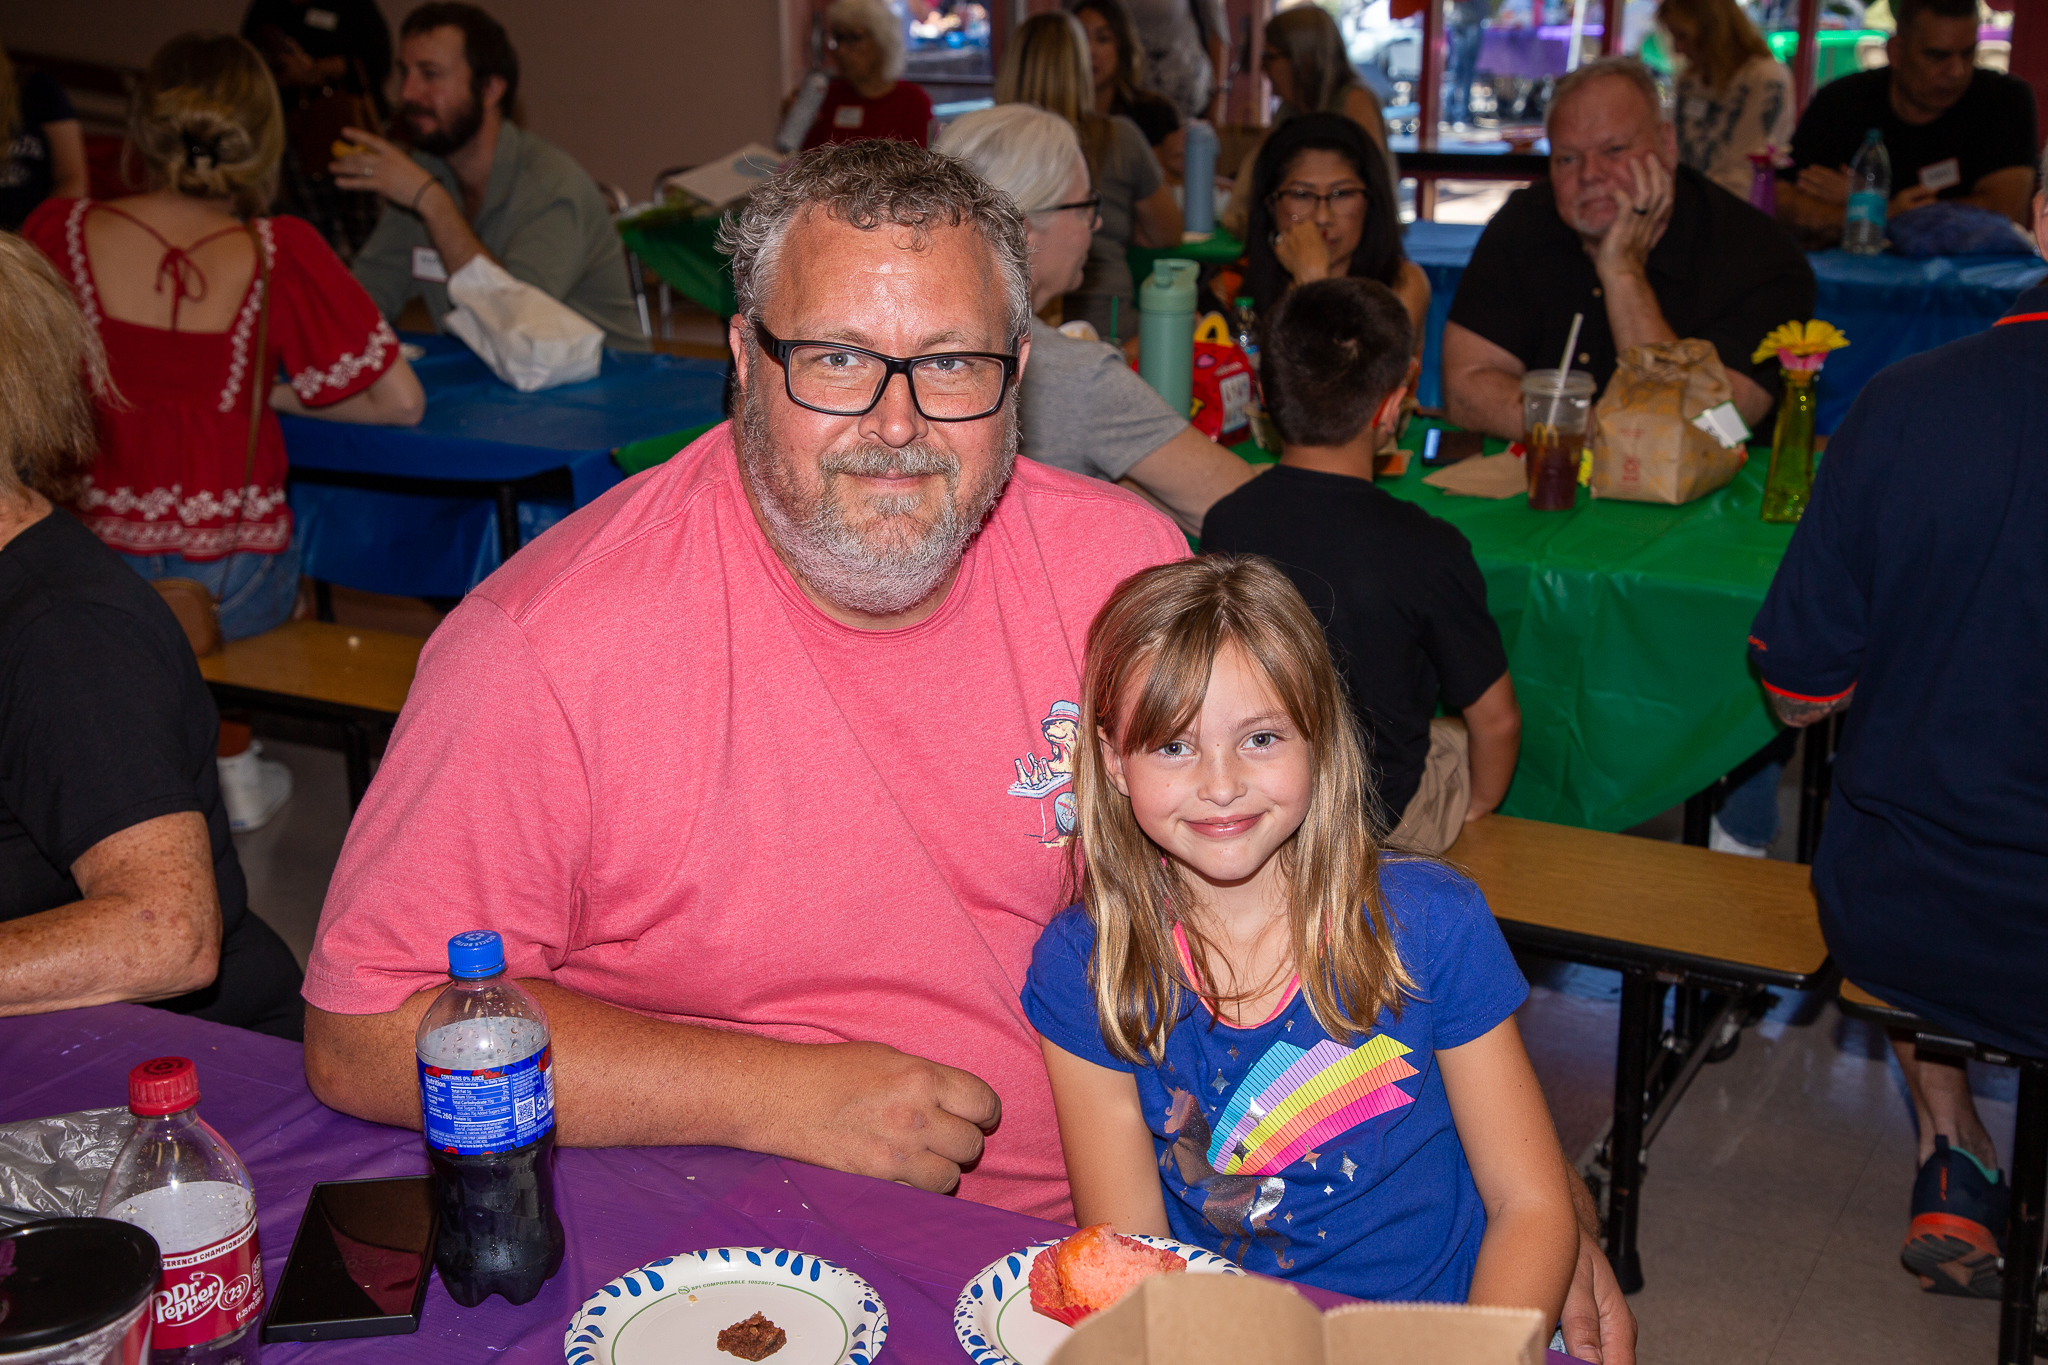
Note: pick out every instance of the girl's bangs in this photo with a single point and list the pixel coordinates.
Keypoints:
(1176, 670)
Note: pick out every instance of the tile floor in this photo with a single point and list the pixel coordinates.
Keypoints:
(1775, 1198)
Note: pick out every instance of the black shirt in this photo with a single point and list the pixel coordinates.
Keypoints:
(105, 723)
(326, 28)
(1919, 577)
(1399, 595)
(26, 175)
(1154, 114)
(1722, 271)
(1990, 128)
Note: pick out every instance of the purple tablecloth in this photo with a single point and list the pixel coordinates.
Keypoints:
(1533, 53)
(620, 1207)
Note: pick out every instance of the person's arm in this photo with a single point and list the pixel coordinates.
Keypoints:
(68, 178)
(395, 400)
(1800, 712)
(1155, 220)
(1598, 1324)
(1531, 1245)
(1187, 476)
(1413, 291)
(2009, 191)
(147, 926)
(1482, 383)
(1814, 204)
(1111, 1164)
(386, 169)
(1493, 725)
(626, 1080)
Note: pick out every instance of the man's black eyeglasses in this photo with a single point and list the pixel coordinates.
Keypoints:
(847, 381)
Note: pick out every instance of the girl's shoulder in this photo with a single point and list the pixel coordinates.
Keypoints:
(1413, 878)
(1068, 933)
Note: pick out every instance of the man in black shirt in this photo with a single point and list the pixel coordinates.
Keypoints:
(1646, 249)
(118, 881)
(1397, 590)
(1952, 130)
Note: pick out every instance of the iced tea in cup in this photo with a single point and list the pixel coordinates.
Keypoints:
(1554, 430)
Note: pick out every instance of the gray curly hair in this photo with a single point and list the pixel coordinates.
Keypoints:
(871, 184)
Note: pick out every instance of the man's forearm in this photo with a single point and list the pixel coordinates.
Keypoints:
(1486, 400)
(454, 240)
(2010, 192)
(103, 950)
(1494, 750)
(1809, 215)
(1799, 712)
(1633, 314)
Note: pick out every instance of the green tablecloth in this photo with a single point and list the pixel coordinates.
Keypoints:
(683, 251)
(1625, 626)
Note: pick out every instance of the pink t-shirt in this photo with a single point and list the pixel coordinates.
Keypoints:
(646, 759)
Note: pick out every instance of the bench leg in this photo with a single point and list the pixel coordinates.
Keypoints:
(1817, 751)
(1642, 1000)
(2023, 1244)
(355, 749)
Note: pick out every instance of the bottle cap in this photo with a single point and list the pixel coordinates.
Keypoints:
(163, 1085)
(480, 952)
(1170, 288)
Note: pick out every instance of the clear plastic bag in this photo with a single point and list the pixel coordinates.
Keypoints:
(56, 1166)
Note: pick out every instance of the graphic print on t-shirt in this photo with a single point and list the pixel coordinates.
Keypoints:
(1039, 777)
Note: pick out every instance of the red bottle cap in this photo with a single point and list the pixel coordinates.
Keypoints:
(162, 1086)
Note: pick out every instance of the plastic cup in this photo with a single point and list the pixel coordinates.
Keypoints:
(1554, 430)
(56, 1314)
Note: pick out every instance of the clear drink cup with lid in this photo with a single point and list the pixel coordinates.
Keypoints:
(1554, 431)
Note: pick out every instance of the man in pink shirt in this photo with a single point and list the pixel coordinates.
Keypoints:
(761, 764)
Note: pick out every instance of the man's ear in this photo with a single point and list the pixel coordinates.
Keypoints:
(494, 95)
(1112, 761)
(2041, 221)
(738, 340)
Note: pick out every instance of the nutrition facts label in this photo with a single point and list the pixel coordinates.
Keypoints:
(472, 1113)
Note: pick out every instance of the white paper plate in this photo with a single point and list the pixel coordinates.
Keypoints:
(997, 1325)
(670, 1311)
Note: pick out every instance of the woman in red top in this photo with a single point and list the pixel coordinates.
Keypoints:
(172, 281)
(200, 303)
(867, 99)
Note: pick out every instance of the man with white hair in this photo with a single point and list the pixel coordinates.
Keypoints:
(1648, 250)
(867, 96)
(747, 761)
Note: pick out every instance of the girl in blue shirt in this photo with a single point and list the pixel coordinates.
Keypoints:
(1265, 1035)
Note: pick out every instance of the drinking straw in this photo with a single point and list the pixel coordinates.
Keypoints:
(1564, 367)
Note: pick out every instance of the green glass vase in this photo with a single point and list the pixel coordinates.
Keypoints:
(1790, 482)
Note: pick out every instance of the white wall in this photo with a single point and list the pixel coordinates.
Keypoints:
(628, 87)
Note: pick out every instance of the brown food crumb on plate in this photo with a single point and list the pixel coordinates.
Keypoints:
(754, 1339)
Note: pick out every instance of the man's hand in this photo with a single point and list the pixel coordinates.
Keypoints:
(1303, 253)
(383, 169)
(869, 1109)
(1642, 210)
(1911, 197)
(1830, 184)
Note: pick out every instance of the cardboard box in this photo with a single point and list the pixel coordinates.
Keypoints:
(1228, 1320)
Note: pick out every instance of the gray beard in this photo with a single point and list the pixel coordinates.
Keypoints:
(900, 558)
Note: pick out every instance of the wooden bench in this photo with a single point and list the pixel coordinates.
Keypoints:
(352, 679)
(1713, 925)
(2028, 1228)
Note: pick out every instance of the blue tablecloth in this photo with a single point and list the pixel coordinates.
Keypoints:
(479, 430)
(1888, 306)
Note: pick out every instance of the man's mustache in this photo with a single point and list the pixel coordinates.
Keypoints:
(885, 462)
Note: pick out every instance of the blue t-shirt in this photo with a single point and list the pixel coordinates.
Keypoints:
(1332, 1163)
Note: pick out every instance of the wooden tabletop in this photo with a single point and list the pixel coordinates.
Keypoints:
(1646, 901)
(345, 665)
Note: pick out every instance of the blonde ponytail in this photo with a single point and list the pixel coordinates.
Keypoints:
(207, 121)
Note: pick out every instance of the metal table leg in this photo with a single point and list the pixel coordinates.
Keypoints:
(1642, 1000)
(355, 750)
(508, 522)
(2023, 1244)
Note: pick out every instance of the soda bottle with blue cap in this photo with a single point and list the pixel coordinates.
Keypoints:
(487, 1109)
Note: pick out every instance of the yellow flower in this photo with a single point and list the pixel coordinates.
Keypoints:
(1800, 339)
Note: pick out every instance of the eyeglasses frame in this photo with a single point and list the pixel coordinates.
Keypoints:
(1327, 200)
(779, 350)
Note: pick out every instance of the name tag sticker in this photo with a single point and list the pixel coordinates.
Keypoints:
(1724, 424)
(1941, 174)
(849, 115)
(321, 19)
(426, 265)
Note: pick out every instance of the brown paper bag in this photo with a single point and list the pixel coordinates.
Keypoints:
(1228, 1320)
(1645, 446)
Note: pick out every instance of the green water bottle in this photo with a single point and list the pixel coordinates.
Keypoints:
(1166, 332)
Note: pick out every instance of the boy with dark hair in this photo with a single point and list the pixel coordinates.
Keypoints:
(1397, 590)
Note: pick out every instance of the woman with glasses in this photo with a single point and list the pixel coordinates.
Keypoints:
(1081, 406)
(867, 98)
(1046, 64)
(1322, 206)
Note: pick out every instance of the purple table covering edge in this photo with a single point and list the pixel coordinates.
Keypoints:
(620, 1207)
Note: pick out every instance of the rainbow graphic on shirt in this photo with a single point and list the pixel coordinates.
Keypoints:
(1292, 1100)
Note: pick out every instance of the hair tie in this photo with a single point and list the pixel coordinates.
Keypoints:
(201, 153)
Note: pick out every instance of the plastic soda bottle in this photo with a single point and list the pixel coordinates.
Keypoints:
(178, 1181)
(487, 1106)
(1870, 192)
(1245, 332)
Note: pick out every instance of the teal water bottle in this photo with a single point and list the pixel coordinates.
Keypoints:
(1198, 194)
(1166, 332)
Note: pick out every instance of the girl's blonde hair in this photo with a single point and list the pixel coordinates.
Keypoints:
(51, 370)
(1150, 653)
(207, 121)
(1314, 48)
(1046, 63)
(1723, 36)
